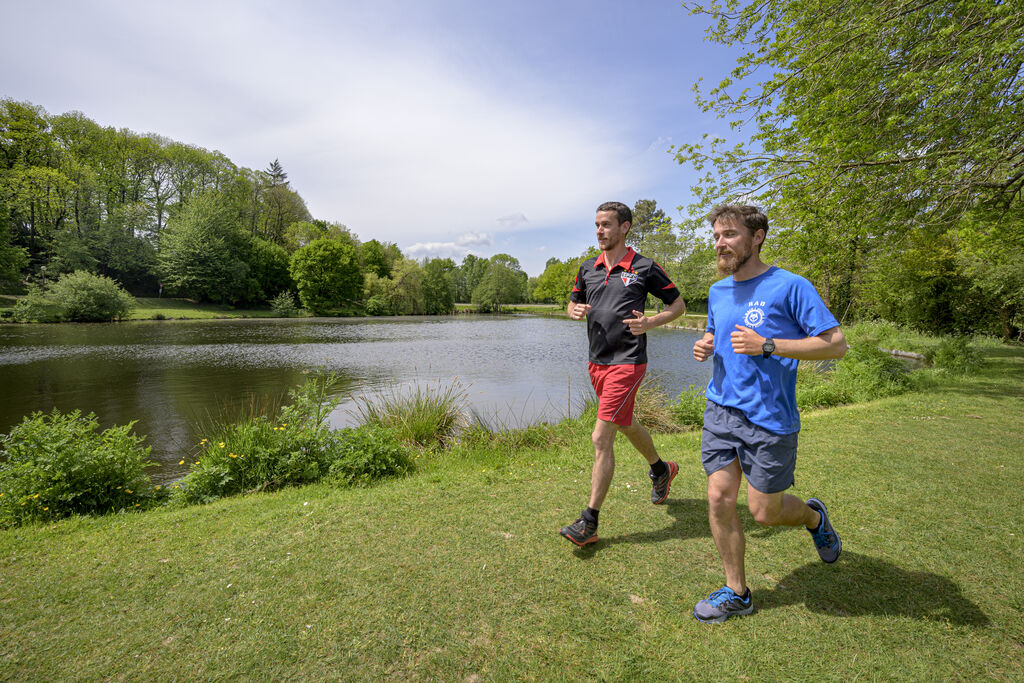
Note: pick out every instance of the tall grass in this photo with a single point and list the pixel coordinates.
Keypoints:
(267, 447)
(427, 416)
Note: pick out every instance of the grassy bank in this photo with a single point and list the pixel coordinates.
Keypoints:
(457, 572)
(153, 308)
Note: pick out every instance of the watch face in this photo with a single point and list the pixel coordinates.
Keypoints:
(768, 346)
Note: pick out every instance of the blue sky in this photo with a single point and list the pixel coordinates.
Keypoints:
(445, 126)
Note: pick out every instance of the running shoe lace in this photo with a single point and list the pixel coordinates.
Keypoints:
(823, 539)
(722, 595)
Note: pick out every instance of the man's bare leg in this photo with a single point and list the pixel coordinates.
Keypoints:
(723, 489)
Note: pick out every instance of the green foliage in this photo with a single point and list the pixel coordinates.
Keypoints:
(34, 307)
(327, 274)
(503, 283)
(13, 260)
(865, 373)
(201, 252)
(689, 409)
(268, 269)
(268, 449)
(122, 256)
(60, 464)
(956, 356)
(78, 196)
(555, 283)
(881, 132)
(438, 287)
(367, 454)
(283, 305)
(425, 417)
(85, 297)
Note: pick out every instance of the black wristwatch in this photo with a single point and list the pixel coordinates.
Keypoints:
(768, 347)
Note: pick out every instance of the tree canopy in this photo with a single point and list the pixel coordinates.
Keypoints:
(871, 131)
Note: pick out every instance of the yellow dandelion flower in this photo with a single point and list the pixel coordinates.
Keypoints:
(1, 495)
(22, 502)
(284, 424)
(232, 455)
(221, 444)
(197, 462)
(45, 509)
(37, 495)
(182, 461)
(127, 490)
(118, 488)
(202, 442)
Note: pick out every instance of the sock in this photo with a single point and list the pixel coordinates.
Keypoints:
(590, 515)
(659, 468)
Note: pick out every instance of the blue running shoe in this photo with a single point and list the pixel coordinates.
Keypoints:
(826, 540)
(722, 604)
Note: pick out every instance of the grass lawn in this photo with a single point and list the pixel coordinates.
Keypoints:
(150, 308)
(457, 572)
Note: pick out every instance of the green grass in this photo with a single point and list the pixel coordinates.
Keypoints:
(457, 572)
(150, 308)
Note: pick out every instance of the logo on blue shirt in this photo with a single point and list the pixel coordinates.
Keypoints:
(754, 316)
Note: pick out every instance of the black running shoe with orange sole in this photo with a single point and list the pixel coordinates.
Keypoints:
(581, 532)
(660, 485)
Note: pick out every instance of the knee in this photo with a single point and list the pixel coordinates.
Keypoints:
(603, 441)
(721, 503)
(764, 515)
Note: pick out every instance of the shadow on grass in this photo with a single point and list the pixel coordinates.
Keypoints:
(858, 585)
(691, 521)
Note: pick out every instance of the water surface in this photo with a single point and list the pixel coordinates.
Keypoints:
(516, 370)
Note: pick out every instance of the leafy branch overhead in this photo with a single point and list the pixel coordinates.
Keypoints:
(919, 101)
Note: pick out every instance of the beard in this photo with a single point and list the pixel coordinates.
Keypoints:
(729, 262)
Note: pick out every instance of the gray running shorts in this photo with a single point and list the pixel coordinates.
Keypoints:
(767, 459)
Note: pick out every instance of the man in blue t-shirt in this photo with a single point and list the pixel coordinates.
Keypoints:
(762, 321)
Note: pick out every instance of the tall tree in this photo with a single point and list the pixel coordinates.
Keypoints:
(876, 121)
(200, 256)
(327, 275)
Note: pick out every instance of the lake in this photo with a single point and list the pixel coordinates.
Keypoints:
(516, 370)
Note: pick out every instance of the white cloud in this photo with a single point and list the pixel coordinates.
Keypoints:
(513, 220)
(377, 126)
(474, 239)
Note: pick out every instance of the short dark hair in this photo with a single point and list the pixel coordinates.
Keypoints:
(622, 212)
(750, 217)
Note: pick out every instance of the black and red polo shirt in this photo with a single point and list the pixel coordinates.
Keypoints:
(613, 294)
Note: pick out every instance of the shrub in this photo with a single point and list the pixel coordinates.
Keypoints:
(426, 417)
(689, 409)
(86, 297)
(265, 450)
(283, 305)
(34, 307)
(865, 373)
(816, 388)
(59, 464)
(955, 356)
(364, 455)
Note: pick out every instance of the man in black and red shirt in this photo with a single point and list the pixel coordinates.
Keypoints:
(610, 292)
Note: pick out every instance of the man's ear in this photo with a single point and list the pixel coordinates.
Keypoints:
(628, 226)
(758, 241)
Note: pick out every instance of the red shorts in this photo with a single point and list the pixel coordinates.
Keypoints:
(616, 387)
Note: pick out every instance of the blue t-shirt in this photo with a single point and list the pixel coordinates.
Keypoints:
(776, 304)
